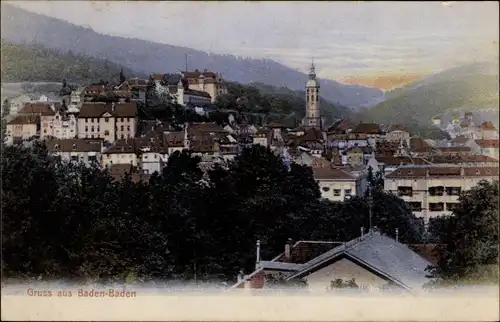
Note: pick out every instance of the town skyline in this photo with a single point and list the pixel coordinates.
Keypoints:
(392, 41)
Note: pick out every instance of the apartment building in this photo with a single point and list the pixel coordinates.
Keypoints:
(108, 121)
(433, 190)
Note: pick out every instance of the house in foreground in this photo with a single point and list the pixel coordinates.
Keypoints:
(374, 261)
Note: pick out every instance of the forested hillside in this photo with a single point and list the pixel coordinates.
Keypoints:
(34, 63)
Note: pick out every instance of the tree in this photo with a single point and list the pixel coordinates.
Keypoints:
(470, 244)
(341, 284)
(122, 76)
(5, 113)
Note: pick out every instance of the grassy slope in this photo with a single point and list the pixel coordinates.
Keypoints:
(22, 63)
(420, 103)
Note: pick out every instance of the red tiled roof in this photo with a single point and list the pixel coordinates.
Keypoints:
(74, 145)
(488, 126)
(488, 144)
(39, 108)
(329, 173)
(449, 149)
(24, 120)
(397, 127)
(193, 92)
(367, 128)
(444, 171)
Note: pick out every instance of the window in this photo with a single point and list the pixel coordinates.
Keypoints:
(415, 206)
(438, 206)
(122, 136)
(325, 189)
(453, 191)
(86, 120)
(128, 128)
(86, 129)
(436, 191)
(106, 119)
(347, 192)
(121, 128)
(74, 146)
(92, 129)
(405, 191)
(106, 132)
(121, 119)
(92, 158)
(74, 158)
(450, 206)
(336, 192)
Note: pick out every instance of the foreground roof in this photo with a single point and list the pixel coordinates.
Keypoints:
(381, 254)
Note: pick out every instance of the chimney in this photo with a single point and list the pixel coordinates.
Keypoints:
(241, 276)
(288, 249)
(397, 234)
(258, 255)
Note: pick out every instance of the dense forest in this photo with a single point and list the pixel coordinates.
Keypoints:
(62, 220)
(34, 63)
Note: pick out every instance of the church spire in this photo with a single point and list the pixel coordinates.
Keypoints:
(312, 71)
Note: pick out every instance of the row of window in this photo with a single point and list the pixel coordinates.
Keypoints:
(338, 192)
(122, 128)
(106, 119)
(433, 191)
(433, 206)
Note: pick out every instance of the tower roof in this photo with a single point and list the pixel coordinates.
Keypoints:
(312, 82)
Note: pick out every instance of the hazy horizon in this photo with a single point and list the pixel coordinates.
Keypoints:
(376, 43)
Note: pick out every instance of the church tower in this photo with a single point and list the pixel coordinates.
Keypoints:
(313, 117)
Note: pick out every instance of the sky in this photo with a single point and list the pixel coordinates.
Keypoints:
(357, 41)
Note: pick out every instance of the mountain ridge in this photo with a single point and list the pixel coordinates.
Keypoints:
(24, 27)
(471, 86)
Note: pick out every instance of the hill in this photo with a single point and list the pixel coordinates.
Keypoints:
(473, 86)
(23, 27)
(34, 63)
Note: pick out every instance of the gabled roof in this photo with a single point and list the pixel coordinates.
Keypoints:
(24, 120)
(397, 127)
(38, 108)
(488, 126)
(74, 145)
(367, 128)
(341, 126)
(329, 173)
(379, 254)
(488, 144)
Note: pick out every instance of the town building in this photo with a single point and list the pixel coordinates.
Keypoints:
(108, 121)
(433, 190)
(207, 82)
(376, 262)
(87, 151)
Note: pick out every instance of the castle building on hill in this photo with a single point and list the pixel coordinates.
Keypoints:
(313, 116)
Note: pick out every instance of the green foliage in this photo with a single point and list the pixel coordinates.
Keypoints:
(5, 112)
(418, 104)
(469, 238)
(23, 63)
(63, 220)
(262, 98)
(341, 284)
(279, 281)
